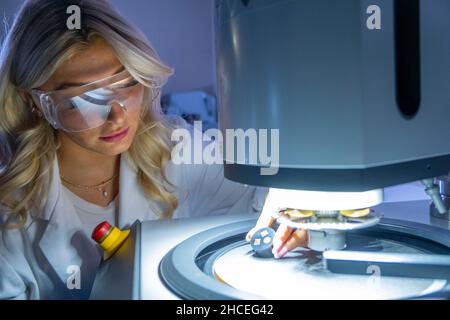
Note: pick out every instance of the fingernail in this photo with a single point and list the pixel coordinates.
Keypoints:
(282, 252)
(277, 254)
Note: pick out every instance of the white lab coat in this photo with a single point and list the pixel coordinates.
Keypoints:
(35, 260)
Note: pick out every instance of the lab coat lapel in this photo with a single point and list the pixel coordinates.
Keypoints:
(63, 243)
(133, 202)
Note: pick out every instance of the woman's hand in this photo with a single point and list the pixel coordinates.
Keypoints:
(285, 238)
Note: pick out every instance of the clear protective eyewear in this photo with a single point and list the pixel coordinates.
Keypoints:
(88, 106)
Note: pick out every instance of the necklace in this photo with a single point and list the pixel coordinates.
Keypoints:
(99, 187)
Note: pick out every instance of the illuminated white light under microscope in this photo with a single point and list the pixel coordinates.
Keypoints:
(323, 200)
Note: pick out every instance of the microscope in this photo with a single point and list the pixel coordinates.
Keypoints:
(357, 97)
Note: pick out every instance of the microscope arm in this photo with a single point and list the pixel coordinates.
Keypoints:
(433, 191)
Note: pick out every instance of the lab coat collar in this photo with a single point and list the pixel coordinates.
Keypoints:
(53, 193)
(133, 202)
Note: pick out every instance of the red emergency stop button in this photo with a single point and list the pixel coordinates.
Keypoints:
(109, 238)
(101, 231)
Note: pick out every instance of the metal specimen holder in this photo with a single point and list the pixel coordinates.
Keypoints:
(327, 229)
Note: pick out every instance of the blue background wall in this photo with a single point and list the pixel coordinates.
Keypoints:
(180, 30)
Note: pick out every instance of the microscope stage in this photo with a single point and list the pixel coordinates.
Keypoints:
(301, 274)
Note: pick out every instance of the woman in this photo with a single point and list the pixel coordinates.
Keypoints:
(83, 141)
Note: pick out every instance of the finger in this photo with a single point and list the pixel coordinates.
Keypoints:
(261, 223)
(265, 220)
(281, 236)
(299, 238)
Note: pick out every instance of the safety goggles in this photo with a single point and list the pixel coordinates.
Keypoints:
(88, 106)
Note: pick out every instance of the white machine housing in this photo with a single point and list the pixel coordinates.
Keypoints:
(359, 90)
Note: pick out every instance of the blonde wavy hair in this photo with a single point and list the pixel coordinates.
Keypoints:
(35, 46)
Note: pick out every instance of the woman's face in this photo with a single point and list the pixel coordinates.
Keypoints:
(98, 61)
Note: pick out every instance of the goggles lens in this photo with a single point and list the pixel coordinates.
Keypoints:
(87, 107)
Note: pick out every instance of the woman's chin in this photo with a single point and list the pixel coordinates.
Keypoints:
(112, 148)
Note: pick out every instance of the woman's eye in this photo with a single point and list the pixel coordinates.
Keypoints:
(72, 106)
(85, 101)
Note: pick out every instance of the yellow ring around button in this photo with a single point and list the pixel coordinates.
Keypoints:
(110, 239)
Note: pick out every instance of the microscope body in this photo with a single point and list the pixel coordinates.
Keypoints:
(359, 92)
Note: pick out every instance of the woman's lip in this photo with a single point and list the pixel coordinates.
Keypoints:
(116, 136)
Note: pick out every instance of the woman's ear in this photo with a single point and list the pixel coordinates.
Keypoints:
(26, 97)
(28, 100)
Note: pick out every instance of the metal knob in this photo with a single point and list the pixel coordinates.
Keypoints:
(443, 183)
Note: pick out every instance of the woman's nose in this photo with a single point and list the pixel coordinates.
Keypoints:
(118, 112)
